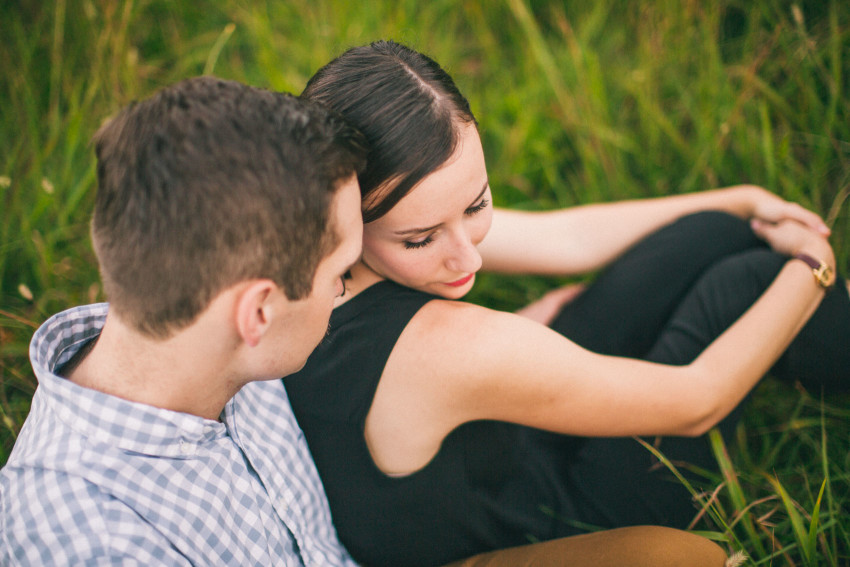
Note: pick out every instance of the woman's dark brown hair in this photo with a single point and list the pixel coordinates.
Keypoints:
(405, 104)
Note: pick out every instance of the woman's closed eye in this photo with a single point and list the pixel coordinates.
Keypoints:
(470, 211)
(474, 209)
(412, 245)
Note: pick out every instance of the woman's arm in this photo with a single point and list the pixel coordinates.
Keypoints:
(586, 238)
(457, 362)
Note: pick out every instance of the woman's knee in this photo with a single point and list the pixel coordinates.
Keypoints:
(696, 241)
(638, 546)
(661, 546)
(718, 298)
(746, 274)
(711, 226)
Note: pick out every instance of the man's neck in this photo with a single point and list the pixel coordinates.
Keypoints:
(180, 373)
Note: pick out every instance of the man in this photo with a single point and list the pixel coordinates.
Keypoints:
(225, 219)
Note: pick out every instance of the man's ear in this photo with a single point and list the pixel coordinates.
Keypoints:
(254, 310)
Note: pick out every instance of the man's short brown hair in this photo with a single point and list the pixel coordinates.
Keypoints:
(211, 182)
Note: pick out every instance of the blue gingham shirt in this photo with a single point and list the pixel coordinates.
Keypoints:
(97, 480)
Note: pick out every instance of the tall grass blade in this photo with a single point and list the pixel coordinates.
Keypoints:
(212, 59)
(708, 506)
(798, 529)
(826, 490)
(736, 492)
(811, 541)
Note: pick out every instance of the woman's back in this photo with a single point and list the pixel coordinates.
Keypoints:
(486, 488)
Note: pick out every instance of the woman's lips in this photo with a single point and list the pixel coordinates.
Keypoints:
(461, 281)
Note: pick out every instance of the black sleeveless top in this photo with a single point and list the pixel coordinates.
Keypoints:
(491, 485)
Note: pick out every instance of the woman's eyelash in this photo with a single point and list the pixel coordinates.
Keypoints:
(477, 208)
(419, 244)
(468, 212)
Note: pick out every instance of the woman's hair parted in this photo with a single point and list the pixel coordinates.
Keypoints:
(211, 182)
(405, 104)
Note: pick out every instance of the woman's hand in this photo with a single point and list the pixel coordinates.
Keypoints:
(545, 309)
(790, 237)
(770, 208)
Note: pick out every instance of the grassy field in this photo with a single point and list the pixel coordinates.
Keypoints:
(578, 102)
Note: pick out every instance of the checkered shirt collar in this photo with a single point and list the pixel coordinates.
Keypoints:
(120, 423)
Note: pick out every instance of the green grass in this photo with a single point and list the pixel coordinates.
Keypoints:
(578, 102)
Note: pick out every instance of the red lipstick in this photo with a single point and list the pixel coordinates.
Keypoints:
(461, 281)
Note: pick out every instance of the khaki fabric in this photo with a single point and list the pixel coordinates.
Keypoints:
(639, 546)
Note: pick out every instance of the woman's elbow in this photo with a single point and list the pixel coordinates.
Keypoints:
(698, 429)
(703, 416)
(704, 403)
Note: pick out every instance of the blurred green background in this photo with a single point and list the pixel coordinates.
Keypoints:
(577, 102)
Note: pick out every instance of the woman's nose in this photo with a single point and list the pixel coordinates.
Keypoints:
(464, 256)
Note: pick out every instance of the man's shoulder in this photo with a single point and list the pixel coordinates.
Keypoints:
(263, 413)
(39, 493)
(51, 475)
(264, 398)
(52, 517)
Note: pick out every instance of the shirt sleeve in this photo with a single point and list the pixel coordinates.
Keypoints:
(53, 519)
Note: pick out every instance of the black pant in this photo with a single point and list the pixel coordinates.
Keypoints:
(665, 300)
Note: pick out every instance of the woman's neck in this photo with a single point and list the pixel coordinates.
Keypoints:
(362, 276)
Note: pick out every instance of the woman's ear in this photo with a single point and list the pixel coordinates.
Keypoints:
(254, 310)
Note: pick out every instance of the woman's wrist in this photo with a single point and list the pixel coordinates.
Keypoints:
(823, 273)
(751, 198)
(819, 249)
(817, 254)
(740, 200)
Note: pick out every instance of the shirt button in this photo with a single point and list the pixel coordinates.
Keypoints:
(187, 448)
(283, 503)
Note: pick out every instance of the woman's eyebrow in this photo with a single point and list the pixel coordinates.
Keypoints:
(483, 190)
(410, 231)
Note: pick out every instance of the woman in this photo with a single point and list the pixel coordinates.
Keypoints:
(443, 429)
